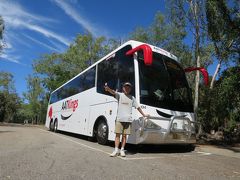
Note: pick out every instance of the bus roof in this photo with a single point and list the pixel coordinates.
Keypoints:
(134, 44)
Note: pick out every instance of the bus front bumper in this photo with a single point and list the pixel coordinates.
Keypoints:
(171, 135)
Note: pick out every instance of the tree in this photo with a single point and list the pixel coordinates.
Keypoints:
(35, 97)
(167, 33)
(223, 24)
(193, 12)
(24, 113)
(229, 89)
(2, 106)
(140, 34)
(220, 106)
(9, 99)
(6, 82)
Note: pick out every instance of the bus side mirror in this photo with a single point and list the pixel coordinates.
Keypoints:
(147, 53)
(202, 70)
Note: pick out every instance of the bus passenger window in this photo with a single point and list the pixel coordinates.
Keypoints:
(107, 73)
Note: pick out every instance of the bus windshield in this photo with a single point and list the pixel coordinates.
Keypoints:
(164, 84)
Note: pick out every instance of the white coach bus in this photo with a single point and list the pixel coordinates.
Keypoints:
(159, 84)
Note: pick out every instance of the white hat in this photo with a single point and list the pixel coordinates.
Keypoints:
(127, 84)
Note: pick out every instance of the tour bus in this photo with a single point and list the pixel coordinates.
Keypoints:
(82, 106)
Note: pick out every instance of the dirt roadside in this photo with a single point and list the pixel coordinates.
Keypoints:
(230, 151)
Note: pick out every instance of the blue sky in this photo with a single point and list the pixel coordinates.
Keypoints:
(38, 27)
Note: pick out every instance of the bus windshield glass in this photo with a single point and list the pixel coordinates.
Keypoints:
(163, 84)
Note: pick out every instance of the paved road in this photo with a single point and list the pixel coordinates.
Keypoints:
(35, 153)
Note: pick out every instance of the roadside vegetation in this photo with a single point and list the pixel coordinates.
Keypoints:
(199, 32)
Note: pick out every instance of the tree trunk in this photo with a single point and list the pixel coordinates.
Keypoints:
(197, 78)
(220, 57)
(199, 130)
(194, 7)
(215, 74)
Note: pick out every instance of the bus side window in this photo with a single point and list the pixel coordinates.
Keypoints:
(107, 73)
(115, 71)
(53, 97)
(87, 79)
(125, 68)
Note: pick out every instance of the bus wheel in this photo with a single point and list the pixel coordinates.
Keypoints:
(190, 147)
(102, 132)
(55, 126)
(51, 125)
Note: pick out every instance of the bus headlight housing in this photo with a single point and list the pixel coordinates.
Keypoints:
(174, 126)
(186, 126)
(141, 122)
(147, 123)
(151, 125)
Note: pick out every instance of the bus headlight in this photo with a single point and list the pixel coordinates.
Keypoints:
(141, 121)
(151, 125)
(174, 126)
(186, 126)
(147, 123)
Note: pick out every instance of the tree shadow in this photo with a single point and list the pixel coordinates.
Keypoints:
(6, 131)
(232, 148)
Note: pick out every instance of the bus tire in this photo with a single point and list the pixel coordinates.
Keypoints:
(55, 127)
(51, 125)
(102, 132)
(190, 147)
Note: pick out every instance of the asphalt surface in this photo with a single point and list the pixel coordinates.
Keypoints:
(35, 153)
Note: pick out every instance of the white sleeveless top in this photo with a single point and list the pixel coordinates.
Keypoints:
(125, 104)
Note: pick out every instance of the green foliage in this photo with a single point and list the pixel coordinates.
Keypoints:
(229, 89)
(2, 106)
(140, 34)
(168, 34)
(6, 82)
(35, 90)
(223, 22)
(223, 27)
(9, 100)
(10, 107)
(220, 107)
(35, 97)
(24, 113)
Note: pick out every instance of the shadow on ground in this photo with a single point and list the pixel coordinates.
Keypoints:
(145, 148)
(6, 131)
(232, 148)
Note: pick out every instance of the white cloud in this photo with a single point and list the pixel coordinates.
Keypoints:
(69, 10)
(10, 58)
(16, 17)
(9, 55)
(57, 45)
(14, 10)
(12, 38)
(47, 33)
(41, 43)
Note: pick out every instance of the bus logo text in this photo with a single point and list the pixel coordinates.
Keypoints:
(70, 104)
